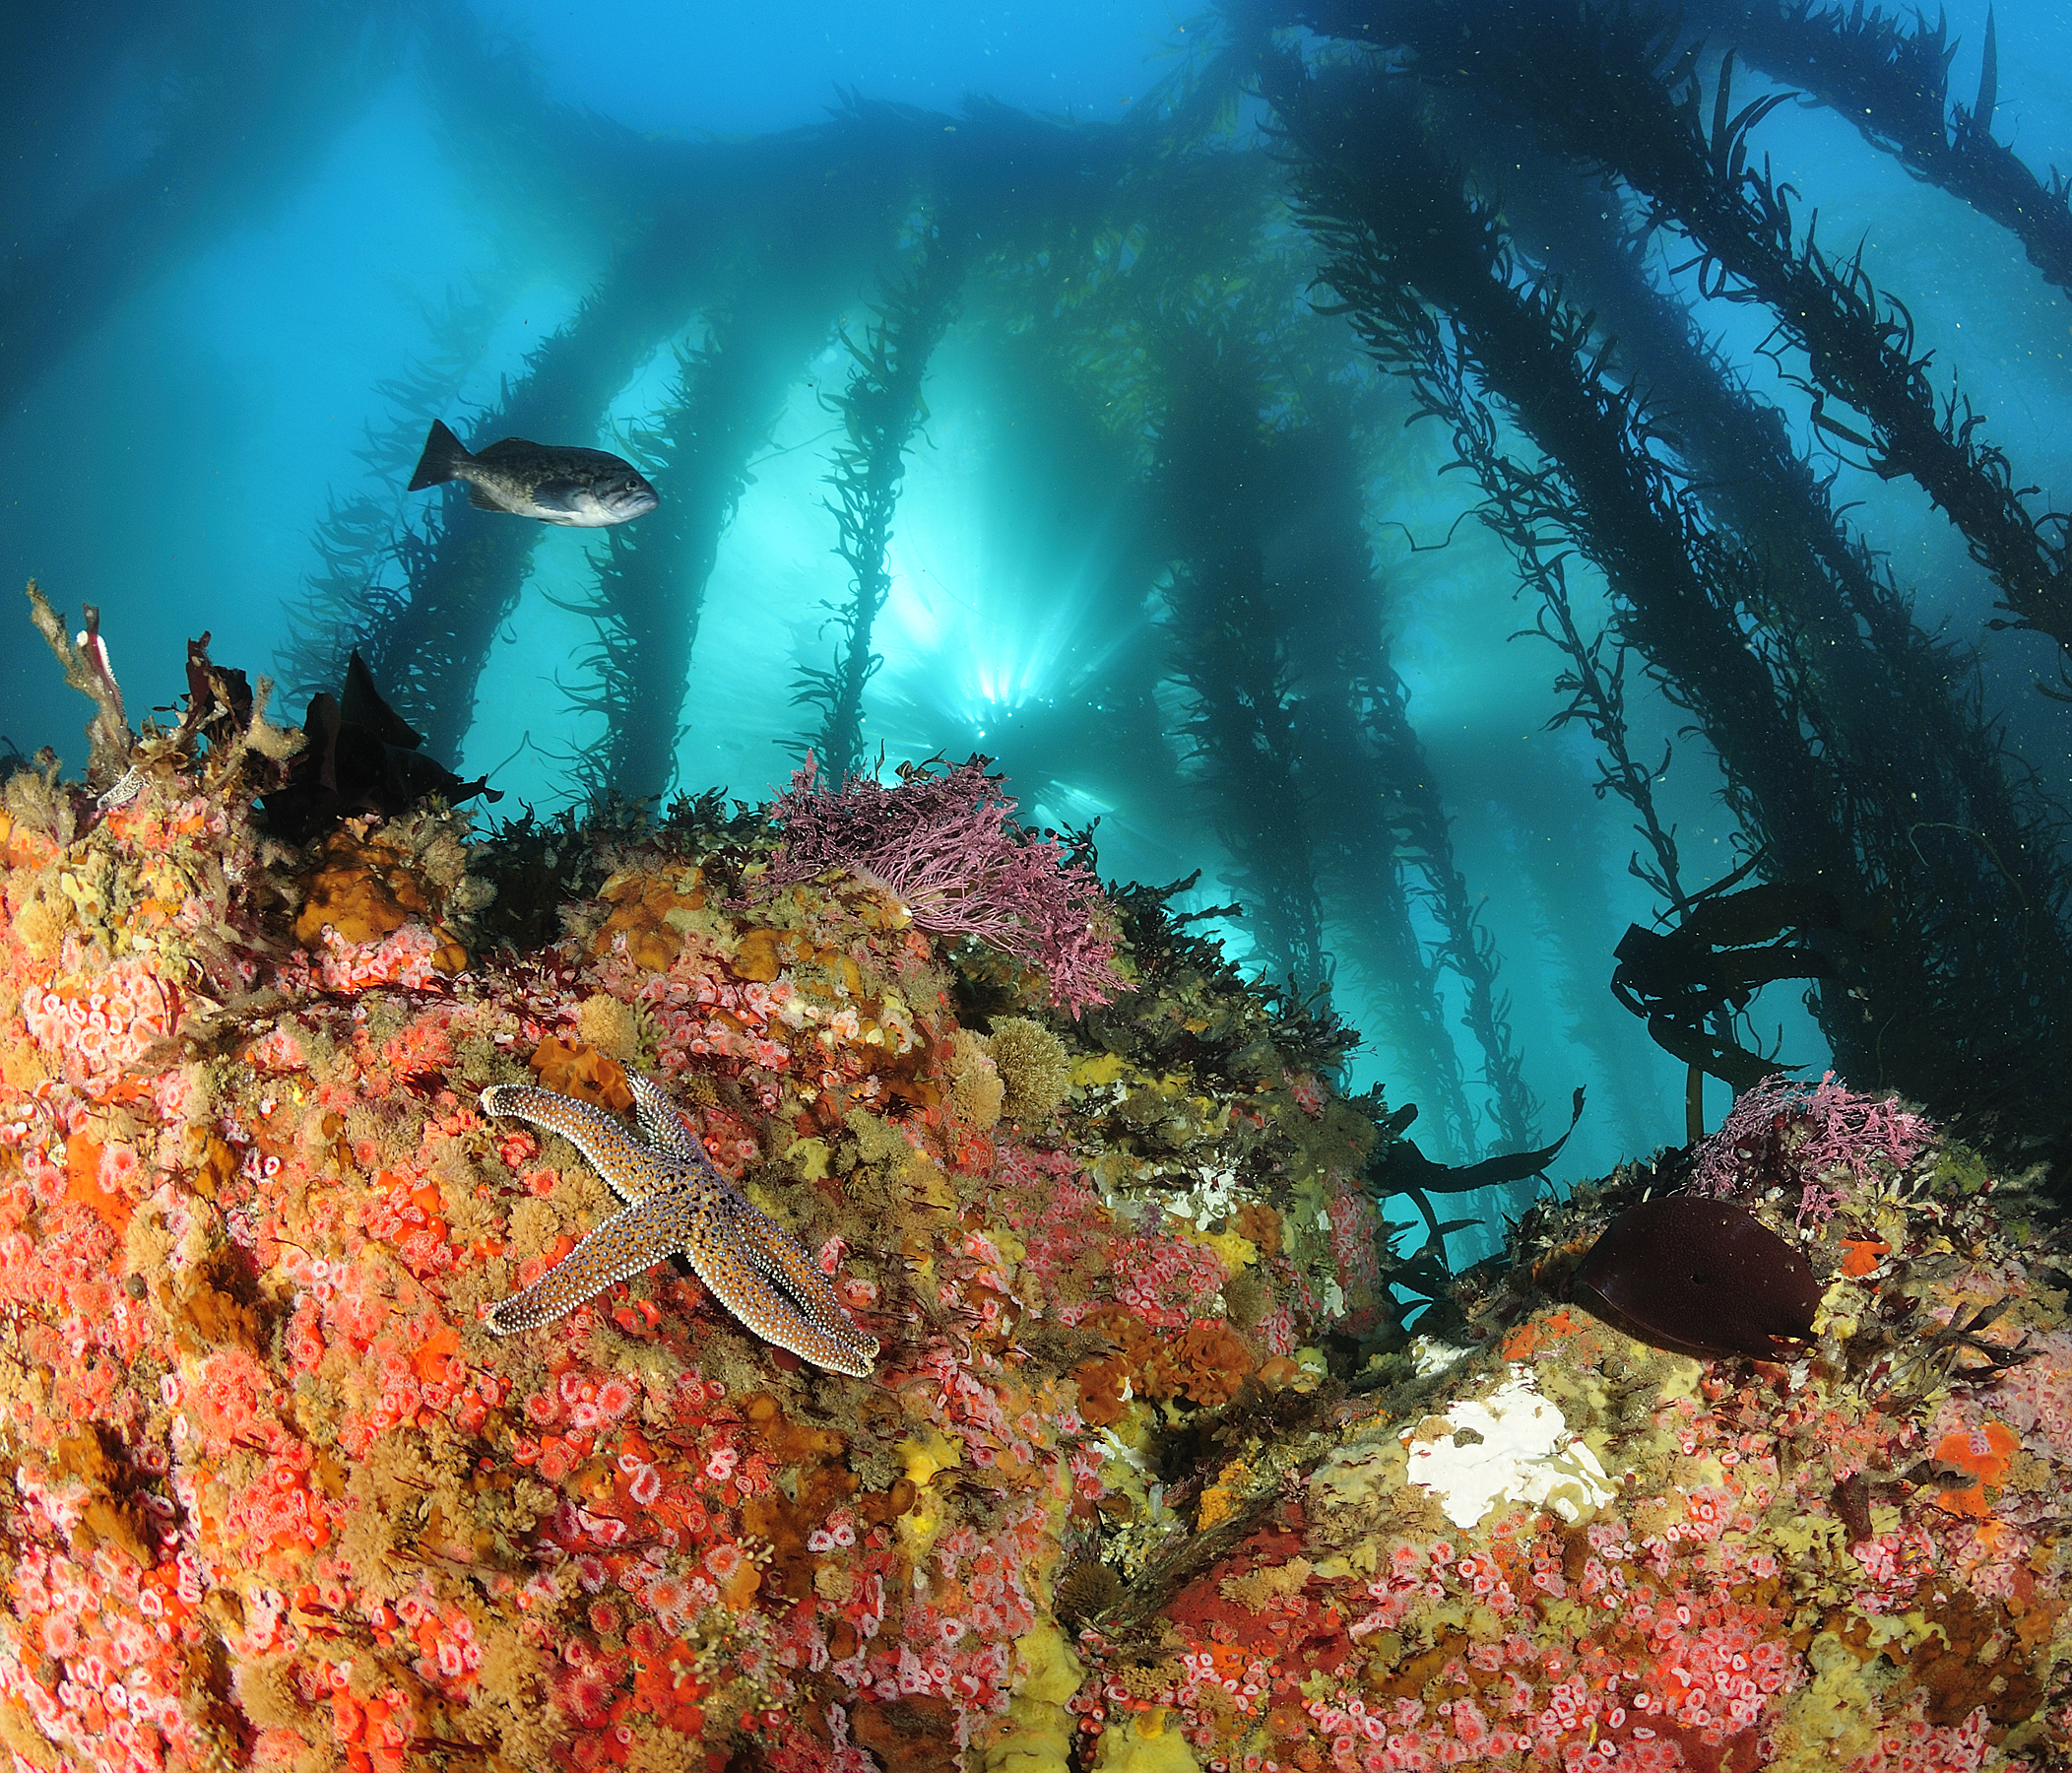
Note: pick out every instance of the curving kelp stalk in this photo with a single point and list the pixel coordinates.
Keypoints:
(1891, 80)
(1555, 842)
(882, 408)
(260, 92)
(362, 540)
(1735, 449)
(1374, 818)
(1399, 234)
(1357, 729)
(1467, 949)
(1608, 87)
(652, 575)
(1229, 648)
(1927, 1008)
(1965, 852)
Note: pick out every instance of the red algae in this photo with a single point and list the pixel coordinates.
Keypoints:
(304, 1506)
(279, 1498)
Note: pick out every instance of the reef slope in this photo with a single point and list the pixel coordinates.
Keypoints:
(1144, 1477)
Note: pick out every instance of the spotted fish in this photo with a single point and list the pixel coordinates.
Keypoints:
(552, 483)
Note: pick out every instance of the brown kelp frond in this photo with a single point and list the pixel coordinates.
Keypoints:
(882, 409)
(1612, 86)
(1889, 77)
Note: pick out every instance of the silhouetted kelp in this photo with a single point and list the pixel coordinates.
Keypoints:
(431, 645)
(1702, 1278)
(1725, 946)
(1399, 1167)
(359, 756)
(881, 408)
(1610, 86)
(651, 582)
(1373, 803)
(1891, 79)
(1401, 234)
(1959, 850)
(1855, 753)
(245, 102)
(1214, 479)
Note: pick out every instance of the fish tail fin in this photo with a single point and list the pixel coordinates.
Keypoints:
(443, 457)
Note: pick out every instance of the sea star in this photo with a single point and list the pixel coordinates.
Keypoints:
(679, 1200)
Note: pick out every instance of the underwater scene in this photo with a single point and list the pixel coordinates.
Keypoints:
(1036, 889)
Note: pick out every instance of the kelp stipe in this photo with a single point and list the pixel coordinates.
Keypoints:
(882, 409)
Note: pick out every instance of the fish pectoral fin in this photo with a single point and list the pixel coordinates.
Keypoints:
(632, 1240)
(503, 446)
(556, 495)
(482, 499)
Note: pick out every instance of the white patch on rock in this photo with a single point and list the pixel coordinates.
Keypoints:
(1429, 1356)
(1516, 1447)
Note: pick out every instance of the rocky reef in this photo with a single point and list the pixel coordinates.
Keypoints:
(1147, 1476)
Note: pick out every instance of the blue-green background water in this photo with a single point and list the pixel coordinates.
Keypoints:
(215, 368)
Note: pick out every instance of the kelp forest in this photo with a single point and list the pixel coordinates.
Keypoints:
(1228, 937)
(1509, 226)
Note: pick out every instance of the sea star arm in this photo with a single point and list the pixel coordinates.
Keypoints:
(632, 1169)
(679, 1200)
(762, 1274)
(632, 1240)
(662, 1127)
(806, 1316)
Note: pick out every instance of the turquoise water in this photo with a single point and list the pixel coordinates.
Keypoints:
(251, 250)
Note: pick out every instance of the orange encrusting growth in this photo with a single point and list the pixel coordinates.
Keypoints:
(1986, 1451)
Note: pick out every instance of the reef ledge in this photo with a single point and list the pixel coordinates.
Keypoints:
(1147, 1475)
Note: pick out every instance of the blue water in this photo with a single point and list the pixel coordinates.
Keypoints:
(172, 460)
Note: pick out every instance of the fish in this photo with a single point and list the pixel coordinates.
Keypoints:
(555, 483)
(1701, 1278)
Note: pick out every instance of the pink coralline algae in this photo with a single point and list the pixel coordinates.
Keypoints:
(946, 847)
(1815, 1138)
(1128, 1485)
(279, 1500)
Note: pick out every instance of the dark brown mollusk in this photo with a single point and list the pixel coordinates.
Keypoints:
(1701, 1278)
